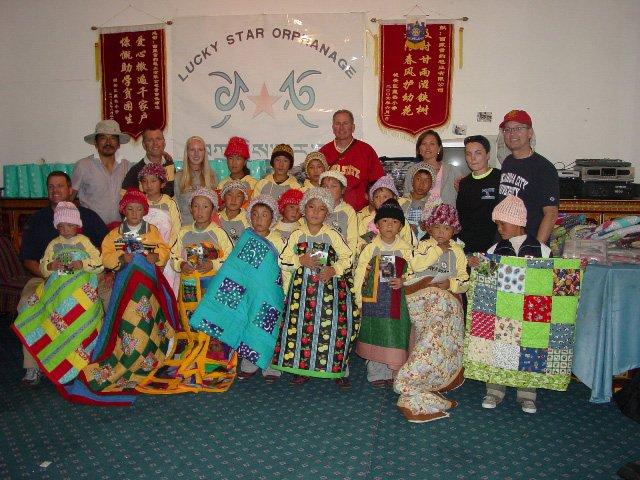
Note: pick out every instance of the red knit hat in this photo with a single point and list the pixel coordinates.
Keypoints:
(519, 116)
(133, 195)
(237, 146)
(293, 196)
(154, 170)
(444, 214)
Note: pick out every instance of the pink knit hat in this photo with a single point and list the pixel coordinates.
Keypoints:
(206, 193)
(66, 212)
(511, 210)
(444, 214)
(384, 182)
(154, 170)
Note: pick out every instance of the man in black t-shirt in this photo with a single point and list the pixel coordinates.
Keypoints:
(530, 176)
(477, 195)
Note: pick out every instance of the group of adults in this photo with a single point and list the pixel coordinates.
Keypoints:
(99, 179)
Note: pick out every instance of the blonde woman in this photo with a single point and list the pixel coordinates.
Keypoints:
(196, 172)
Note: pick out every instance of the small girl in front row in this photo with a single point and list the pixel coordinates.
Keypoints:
(233, 219)
(320, 321)
(198, 253)
(134, 235)
(434, 365)
(510, 215)
(289, 209)
(153, 178)
(343, 218)
(383, 266)
(263, 215)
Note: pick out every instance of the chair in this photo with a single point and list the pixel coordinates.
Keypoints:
(12, 276)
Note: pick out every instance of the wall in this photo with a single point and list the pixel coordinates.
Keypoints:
(575, 66)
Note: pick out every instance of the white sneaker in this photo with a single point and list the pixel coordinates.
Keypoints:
(528, 406)
(491, 401)
(31, 377)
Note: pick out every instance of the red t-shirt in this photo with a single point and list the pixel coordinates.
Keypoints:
(362, 167)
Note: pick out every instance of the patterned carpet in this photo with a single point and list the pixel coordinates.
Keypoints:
(314, 431)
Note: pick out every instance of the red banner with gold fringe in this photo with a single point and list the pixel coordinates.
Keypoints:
(415, 76)
(133, 79)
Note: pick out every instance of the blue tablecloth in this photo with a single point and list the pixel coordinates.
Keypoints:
(607, 327)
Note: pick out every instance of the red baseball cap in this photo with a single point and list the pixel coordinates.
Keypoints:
(519, 116)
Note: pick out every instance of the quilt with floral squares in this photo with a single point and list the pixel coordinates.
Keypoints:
(521, 321)
(244, 301)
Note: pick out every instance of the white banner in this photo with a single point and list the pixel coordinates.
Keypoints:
(268, 78)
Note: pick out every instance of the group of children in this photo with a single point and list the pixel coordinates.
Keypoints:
(344, 272)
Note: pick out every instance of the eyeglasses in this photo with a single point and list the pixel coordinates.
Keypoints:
(514, 129)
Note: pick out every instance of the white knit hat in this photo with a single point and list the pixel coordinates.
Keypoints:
(267, 201)
(205, 192)
(334, 174)
(511, 210)
(321, 194)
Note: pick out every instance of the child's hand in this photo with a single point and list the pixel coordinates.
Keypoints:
(308, 261)
(444, 285)
(126, 257)
(76, 265)
(326, 274)
(205, 266)
(473, 261)
(186, 267)
(152, 258)
(55, 265)
(396, 283)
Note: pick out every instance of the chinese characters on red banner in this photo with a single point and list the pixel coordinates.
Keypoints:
(133, 79)
(415, 76)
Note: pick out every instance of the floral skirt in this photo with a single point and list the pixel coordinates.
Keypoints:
(319, 328)
(435, 362)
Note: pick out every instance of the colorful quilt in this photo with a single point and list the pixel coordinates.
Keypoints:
(136, 337)
(521, 321)
(60, 323)
(244, 302)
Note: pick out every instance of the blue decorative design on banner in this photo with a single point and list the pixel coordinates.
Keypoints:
(230, 293)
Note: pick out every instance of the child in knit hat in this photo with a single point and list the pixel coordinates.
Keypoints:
(57, 256)
(321, 320)
(237, 154)
(153, 179)
(344, 217)
(279, 181)
(134, 235)
(314, 165)
(233, 220)
(383, 266)
(382, 190)
(289, 210)
(263, 215)
(510, 215)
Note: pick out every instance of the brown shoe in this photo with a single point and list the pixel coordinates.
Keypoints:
(298, 380)
(343, 383)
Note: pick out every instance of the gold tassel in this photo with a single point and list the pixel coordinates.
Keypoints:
(460, 38)
(96, 54)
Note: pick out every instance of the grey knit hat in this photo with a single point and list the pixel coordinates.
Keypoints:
(321, 194)
(268, 201)
(207, 193)
(235, 185)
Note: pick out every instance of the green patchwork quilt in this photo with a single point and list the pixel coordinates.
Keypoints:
(521, 319)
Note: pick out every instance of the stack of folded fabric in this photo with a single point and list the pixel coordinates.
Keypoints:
(560, 233)
(622, 236)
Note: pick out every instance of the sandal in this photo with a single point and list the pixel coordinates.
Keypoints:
(245, 375)
(343, 383)
(298, 380)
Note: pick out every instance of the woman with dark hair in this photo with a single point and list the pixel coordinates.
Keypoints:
(429, 151)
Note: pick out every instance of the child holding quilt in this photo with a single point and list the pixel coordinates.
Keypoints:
(263, 215)
(435, 360)
(321, 321)
(383, 266)
(510, 215)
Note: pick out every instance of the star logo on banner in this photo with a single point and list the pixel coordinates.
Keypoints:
(264, 102)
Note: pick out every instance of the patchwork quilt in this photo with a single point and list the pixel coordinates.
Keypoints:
(244, 301)
(521, 319)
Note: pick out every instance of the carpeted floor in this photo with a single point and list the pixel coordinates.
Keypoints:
(314, 431)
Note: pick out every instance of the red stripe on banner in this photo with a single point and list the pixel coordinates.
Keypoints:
(415, 78)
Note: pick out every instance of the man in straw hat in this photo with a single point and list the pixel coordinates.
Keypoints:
(97, 179)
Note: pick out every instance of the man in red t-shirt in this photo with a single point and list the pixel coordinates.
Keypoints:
(357, 160)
